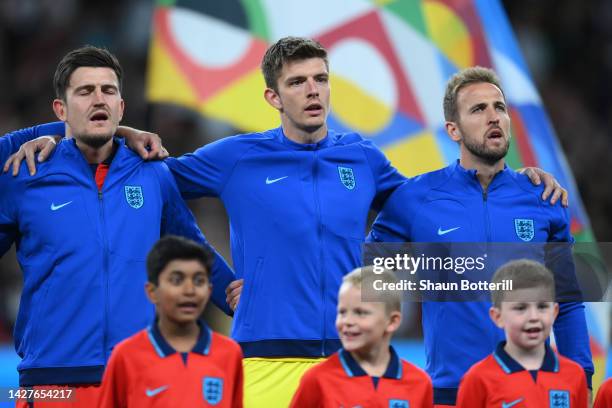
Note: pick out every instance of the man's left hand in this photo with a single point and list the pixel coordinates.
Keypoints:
(551, 185)
(232, 293)
(146, 144)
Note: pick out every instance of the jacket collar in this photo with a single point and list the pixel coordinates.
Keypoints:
(163, 349)
(468, 176)
(510, 365)
(327, 141)
(353, 369)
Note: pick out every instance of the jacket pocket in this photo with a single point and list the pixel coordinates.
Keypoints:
(251, 289)
(39, 313)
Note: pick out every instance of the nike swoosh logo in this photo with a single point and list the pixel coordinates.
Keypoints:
(446, 231)
(57, 207)
(271, 181)
(511, 404)
(154, 392)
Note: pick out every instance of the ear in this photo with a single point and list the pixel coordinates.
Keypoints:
(495, 315)
(395, 319)
(151, 292)
(59, 107)
(556, 311)
(121, 109)
(453, 131)
(273, 98)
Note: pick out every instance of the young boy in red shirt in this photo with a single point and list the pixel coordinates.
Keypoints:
(178, 361)
(366, 371)
(604, 395)
(524, 371)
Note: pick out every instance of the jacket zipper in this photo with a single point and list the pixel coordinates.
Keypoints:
(105, 273)
(315, 169)
(487, 219)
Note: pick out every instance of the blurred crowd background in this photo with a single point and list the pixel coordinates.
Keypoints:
(567, 45)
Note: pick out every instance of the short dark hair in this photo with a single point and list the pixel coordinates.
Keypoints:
(461, 79)
(524, 274)
(289, 49)
(87, 56)
(171, 248)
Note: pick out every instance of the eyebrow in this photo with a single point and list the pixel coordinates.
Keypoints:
(294, 78)
(91, 86)
(477, 105)
(320, 74)
(482, 104)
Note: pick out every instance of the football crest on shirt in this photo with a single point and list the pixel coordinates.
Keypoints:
(134, 197)
(347, 177)
(524, 229)
(397, 403)
(212, 389)
(559, 399)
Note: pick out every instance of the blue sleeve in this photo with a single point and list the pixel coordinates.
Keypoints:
(559, 258)
(393, 222)
(386, 176)
(8, 223)
(571, 332)
(205, 171)
(571, 335)
(10, 142)
(177, 219)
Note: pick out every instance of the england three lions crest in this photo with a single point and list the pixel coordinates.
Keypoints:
(134, 197)
(212, 390)
(347, 177)
(559, 399)
(524, 229)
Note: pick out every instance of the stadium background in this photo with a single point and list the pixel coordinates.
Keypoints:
(567, 46)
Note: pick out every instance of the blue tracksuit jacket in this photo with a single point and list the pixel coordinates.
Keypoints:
(83, 255)
(449, 205)
(298, 215)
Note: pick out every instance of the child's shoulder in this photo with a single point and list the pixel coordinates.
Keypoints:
(135, 347)
(331, 364)
(221, 343)
(483, 367)
(568, 366)
(414, 371)
(136, 341)
(604, 395)
(606, 387)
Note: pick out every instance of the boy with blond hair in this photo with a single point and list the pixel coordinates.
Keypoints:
(524, 371)
(366, 371)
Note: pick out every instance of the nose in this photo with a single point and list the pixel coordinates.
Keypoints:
(347, 319)
(98, 96)
(311, 88)
(188, 287)
(532, 313)
(493, 116)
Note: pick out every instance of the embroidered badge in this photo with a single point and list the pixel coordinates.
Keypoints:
(212, 389)
(347, 177)
(524, 229)
(134, 197)
(559, 399)
(396, 403)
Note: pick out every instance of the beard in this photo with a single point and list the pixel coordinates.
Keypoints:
(94, 141)
(482, 151)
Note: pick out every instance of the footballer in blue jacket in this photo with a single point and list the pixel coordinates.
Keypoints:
(477, 199)
(83, 226)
